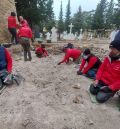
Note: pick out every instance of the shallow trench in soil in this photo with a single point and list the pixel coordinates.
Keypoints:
(46, 99)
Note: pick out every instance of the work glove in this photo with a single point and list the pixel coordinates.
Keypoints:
(79, 72)
(59, 63)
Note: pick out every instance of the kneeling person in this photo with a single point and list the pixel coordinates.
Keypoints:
(107, 81)
(41, 52)
(5, 65)
(92, 63)
(71, 53)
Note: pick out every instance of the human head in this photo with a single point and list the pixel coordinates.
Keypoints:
(13, 14)
(21, 18)
(114, 48)
(86, 53)
(70, 45)
(42, 45)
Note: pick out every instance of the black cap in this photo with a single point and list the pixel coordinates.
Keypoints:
(13, 14)
(115, 44)
(87, 52)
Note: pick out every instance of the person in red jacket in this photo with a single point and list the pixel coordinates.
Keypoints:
(41, 52)
(12, 27)
(107, 81)
(90, 64)
(71, 53)
(22, 21)
(24, 35)
(5, 65)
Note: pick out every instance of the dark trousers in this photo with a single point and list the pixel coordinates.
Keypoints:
(38, 54)
(26, 47)
(14, 35)
(3, 75)
(91, 73)
(101, 96)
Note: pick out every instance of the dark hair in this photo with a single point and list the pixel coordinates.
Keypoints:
(87, 51)
(13, 14)
(42, 45)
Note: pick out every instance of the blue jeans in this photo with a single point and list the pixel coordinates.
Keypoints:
(91, 74)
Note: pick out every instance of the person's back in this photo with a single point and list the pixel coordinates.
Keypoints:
(12, 22)
(25, 31)
(73, 53)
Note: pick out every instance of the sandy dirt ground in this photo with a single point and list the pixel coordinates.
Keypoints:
(47, 99)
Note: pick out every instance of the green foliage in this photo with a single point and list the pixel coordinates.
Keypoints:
(37, 12)
(68, 17)
(99, 17)
(77, 20)
(61, 22)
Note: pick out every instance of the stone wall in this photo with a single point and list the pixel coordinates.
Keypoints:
(6, 7)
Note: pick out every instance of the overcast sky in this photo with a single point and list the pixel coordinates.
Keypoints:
(86, 5)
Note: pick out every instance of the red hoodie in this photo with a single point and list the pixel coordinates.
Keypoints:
(109, 73)
(12, 22)
(25, 31)
(71, 53)
(24, 23)
(41, 51)
(93, 62)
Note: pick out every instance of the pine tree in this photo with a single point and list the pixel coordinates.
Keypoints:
(117, 14)
(50, 21)
(99, 17)
(77, 20)
(109, 15)
(61, 22)
(68, 17)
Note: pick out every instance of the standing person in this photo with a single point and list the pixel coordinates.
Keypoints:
(113, 34)
(12, 27)
(22, 21)
(90, 64)
(107, 81)
(24, 35)
(71, 53)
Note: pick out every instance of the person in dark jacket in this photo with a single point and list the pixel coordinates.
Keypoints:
(12, 27)
(90, 64)
(107, 81)
(5, 65)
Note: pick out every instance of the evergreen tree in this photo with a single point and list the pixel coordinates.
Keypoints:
(77, 20)
(117, 14)
(50, 21)
(109, 15)
(68, 17)
(99, 17)
(61, 22)
(32, 10)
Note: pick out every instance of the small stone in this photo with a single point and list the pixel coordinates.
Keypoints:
(77, 86)
(91, 122)
(76, 100)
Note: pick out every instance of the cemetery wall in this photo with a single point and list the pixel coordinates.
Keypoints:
(6, 7)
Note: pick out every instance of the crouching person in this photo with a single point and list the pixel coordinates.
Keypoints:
(71, 53)
(41, 52)
(107, 81)
(24, 35)
(5, 66)
(90, 64)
